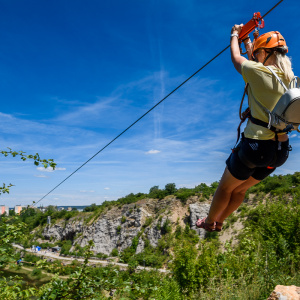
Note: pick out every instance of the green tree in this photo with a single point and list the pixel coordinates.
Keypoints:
(92, 207)
(184, 267)
(11, 230)
(154, 189)
(170, 188)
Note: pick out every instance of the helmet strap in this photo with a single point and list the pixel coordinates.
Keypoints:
(269, 54)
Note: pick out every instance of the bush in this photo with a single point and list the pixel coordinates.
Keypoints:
(66, 246)
(115, 252)
(148, 222)
(101, 255)
(36, 273)
(184, 193)
(167, 227)
(119, 229)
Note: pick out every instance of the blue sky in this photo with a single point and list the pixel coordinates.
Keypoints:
(74, 74)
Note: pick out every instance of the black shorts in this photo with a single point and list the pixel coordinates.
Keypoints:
(257, 158)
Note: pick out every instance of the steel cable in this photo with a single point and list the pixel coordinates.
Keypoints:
(179, 86)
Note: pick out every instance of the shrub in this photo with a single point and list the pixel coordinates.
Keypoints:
(66, 246)
(36, 273)
(167, 227)
(115, 252)
(148, 222)
(119, 229)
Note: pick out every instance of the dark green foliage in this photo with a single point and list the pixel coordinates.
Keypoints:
(123, 220)
(101, 255)
(184, 268)
(158, 194)
(178, 232)
(205, 190)
(34, 217)
(166, 228)
(279, 185)
(36, 273)
(278, 227)
(170, 188)
(153, 189)
(148, 222)
(268, 253)
(202, 190)
(183, 194)
(131, 198)
(115, 252)
(90, 208)
(65, 247)
(119, 229)
(135, 242)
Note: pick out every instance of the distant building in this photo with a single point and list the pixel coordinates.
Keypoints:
(4, 209)
(69, 209)
(60, 208)
(18, 209)
(42, 209)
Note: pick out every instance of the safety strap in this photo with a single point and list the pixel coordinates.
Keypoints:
(243, 115)
(280, 81)
(272, 128)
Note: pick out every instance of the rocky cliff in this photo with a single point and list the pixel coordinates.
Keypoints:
(117, 227)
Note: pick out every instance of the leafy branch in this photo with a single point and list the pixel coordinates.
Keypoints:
(37, 160)
(5, 188)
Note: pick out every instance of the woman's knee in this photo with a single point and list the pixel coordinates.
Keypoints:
(239, 192)
(225, 189)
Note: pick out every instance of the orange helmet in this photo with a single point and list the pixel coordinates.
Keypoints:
(272, 39)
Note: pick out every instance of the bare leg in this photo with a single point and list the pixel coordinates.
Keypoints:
(222, 196)
(237, 198)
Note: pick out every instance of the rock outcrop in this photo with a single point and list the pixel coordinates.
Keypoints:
(198, 211)
(282, 292)
(117, 227)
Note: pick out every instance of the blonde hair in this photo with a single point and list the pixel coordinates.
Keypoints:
(285, 65)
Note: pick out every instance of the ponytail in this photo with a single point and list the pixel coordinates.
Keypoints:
(284, 64)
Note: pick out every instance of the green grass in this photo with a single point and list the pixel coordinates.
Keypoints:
(26, 275)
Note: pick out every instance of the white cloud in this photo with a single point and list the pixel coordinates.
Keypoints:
(84, 191)
(41, 176)
(50, 169)
(107, 188)
(153, 152)
(293, 135)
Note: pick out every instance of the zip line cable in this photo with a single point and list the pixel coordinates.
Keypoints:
(179, 86)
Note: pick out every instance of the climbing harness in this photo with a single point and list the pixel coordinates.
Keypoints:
(284, 117)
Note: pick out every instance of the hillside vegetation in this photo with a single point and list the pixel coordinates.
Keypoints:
(266, 252)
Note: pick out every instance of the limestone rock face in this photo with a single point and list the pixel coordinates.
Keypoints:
(282, 292)
(198, 211)
(63, 230)
(117, 227)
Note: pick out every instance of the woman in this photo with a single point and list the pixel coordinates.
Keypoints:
(261, 150)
